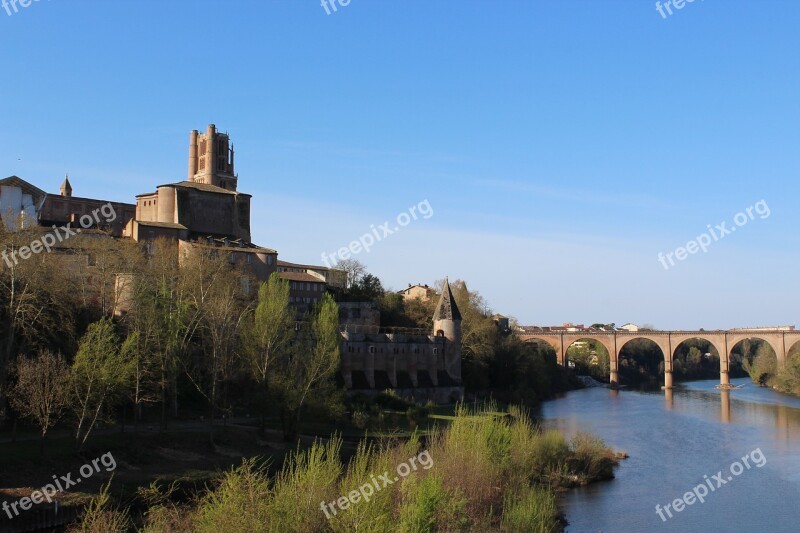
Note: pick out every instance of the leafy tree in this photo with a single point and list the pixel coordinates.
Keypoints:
(307, 374)
(269, 333)
(99, 376)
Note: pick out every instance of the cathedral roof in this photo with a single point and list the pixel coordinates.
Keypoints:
(447, 309)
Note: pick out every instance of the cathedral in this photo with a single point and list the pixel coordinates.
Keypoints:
(208, 210)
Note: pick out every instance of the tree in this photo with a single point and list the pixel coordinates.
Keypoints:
(269, 334)
(99, 376)
(367, 288)
(163, 314)
(41, 392)
(309, 370)
(217, 300)
(37, 299)
(354, 268)
(144, 372)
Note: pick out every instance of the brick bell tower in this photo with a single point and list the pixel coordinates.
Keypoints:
(211, 159)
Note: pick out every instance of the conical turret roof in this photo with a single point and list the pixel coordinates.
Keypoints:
(66, 188)
(447, 309)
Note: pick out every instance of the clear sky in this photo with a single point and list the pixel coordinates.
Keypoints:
(562, 145)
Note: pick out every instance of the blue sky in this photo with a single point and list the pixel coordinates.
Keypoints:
(561, 144)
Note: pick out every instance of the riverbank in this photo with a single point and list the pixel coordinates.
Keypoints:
(494, 469)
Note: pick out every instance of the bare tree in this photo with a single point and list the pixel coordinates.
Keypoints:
(354, 268)
(37, 300)
(41, 392)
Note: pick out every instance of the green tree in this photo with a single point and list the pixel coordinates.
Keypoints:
(99, 376)
(269, 333)
(308, 373)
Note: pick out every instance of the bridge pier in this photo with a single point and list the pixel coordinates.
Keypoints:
(614, 378)
(667, 380)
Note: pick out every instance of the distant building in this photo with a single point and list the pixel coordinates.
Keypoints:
(20, 200)
(629, 327)
(568, 326)
(333, 277)
(765, 328)
(64, 208)
(305, 290)
(423, 292)
(502, 323)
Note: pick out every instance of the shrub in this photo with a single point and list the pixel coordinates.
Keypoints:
(533, 510)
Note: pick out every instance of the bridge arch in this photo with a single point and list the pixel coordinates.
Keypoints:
(792, 347)
(716, 344)
(553, 341)
(658, 339)
(775, 341)
(715, 340)
(597, 366)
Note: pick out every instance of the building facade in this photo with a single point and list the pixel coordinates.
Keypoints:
(414, 363)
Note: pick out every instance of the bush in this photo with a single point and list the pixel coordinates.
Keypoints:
(389, 399)
(487, 471)
(532, 510)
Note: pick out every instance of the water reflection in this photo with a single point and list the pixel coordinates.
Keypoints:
(674, 438)
(725, 403)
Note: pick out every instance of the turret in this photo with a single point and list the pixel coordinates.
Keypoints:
(66, 188)
(447, 324)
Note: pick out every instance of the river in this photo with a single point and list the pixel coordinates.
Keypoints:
(674, 440)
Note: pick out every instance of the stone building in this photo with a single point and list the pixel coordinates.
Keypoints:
(207, 203)
(423, 292)
(206, 210)
(64, 208)
(18, 197)
(413, 363)
(333, 277)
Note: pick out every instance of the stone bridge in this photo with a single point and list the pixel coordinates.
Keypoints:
(724, 341)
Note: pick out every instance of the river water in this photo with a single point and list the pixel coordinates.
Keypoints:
(676, 439)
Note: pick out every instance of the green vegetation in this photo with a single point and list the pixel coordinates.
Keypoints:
(204, 350)
(486, 471)
(761, 363)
